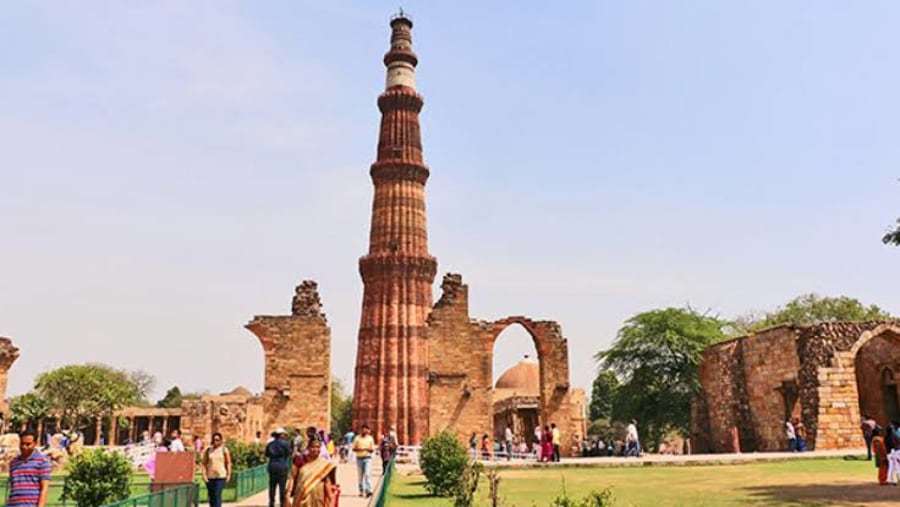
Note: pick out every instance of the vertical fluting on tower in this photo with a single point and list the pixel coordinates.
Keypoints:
(391, 383)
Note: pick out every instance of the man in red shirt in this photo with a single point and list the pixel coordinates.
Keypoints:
(29, 474)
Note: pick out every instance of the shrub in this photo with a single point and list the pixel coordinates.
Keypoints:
(244, 455)
(464, 496)
(97, 478)
(592, 499)
(443, 460)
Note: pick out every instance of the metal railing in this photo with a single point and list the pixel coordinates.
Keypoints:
(380, 498)
(249, 482)
(184, 495)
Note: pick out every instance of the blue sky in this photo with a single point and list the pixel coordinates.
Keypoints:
(170, 169)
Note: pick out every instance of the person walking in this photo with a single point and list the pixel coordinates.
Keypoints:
(868, 426)
(557, 440)
(216, 469)
(508, 441)
(364, 447)
(278, 451)
(632, 439)
(791, 435)
(175, 442)
(546, 444)
(314, 483)
(881, 455)
(29, 474)
(387, 447)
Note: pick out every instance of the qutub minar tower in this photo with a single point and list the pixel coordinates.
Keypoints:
(391, 383)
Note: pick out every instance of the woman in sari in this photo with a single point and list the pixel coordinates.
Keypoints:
(313, 483)
(546, 444)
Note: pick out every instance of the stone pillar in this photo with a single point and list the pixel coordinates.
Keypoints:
(298, 363)
(391, 378)
(165, 426)
(8, 355)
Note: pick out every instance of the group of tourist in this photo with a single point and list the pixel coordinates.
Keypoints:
(302, 470)
(795, 432)
(545, 445)
(884, 445)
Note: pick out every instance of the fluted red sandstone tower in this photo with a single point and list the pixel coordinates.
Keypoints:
(391, 386)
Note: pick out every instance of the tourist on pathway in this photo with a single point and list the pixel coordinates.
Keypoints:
(881, 455)
(557, 439)
(546, 444)
(632, 439)
(278, 450)
(175, 443)
(29, 474)
(364, 447)
(198, 443)
(791, 435)
(486, 447)
(536, 444)
(258, 438)
(867, 427)
(387, 447)
(800, 431)
(313, 484)
(473, 445)
(215, 466)
(508, 440)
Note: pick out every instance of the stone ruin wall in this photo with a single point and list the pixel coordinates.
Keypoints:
(8, 355)
(461, 353)
(747, 383)
(236, 417)
(297, 348)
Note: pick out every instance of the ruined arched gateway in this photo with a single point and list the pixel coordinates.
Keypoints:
(826, 375)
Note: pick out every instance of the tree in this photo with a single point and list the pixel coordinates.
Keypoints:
(83, 393)
(27, 410)
(893, 236)
(172, 399)
(98, 478)
(603, 395)
(143, 383)
(656, 354)
(341, 409)
(813, 309)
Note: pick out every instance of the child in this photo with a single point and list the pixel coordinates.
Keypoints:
(880, 451)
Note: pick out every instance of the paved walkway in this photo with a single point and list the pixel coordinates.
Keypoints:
(693, 459)
(346, 478)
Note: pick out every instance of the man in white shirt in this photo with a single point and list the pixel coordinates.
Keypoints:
(508, 439)
(632, 440)
(791, 434)
(176, 445)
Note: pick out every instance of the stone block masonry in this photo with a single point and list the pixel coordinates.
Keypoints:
(297, 350)
(826, 375)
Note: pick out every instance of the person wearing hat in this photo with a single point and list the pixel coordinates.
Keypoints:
(278, 451)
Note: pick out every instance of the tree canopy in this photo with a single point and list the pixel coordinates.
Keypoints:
(341, 409)
(656, 354)
(81, 393)
(814, 309)
(27, 410)
(603, 395)
(893, 236)
(172, 398)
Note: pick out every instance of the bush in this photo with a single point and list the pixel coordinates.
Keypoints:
(244, 455)
(443, 460)
(97, 478)
(592, 499)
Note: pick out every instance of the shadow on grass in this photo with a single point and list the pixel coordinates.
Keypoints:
(824, 494)
(414, 495)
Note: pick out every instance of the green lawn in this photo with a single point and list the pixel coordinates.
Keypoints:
(831, 482)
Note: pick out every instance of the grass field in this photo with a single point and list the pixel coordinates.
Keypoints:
(826, 482)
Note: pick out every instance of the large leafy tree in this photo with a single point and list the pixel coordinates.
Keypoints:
(603, 395)
(172, 399)
(341, 409)
(813, 309)
(82, 393)
(656, 354)
(27, 410)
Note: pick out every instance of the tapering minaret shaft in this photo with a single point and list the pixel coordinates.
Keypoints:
(391, 387)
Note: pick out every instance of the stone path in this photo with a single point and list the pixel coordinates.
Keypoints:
(346, 477)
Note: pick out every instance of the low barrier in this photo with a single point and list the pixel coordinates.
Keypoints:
(380, 497)
(249, 482)
(184, 495)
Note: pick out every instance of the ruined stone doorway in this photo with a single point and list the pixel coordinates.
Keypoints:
(516, 384)
(876, 361)
(889, 395)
